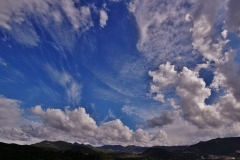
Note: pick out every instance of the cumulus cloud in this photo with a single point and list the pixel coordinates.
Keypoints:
(188, 17)
(230, 107)
(203, 42)
(10, 119)
(226, 70)
(103, 18)
(10, 112)
(224, 34)
(190, 134)
(193, 92)
(112, 132)
(163, 78)
(14, 134)
(192, 89)
(77, 123)
(68, 121)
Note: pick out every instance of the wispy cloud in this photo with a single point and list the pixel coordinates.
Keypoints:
(2, 62)
(16, 18)
(71, 86)
(110, 115)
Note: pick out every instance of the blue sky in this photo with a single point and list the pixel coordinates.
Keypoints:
(119, 72)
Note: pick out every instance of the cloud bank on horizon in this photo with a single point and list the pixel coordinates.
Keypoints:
(152, 72)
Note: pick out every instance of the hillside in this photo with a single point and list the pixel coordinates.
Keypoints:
(54, 146)
(219, 146)
(63, 150)
(63, 146)
(30, 152)
(158, 153)
(119, 148)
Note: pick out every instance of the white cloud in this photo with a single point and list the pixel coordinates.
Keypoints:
(17, 17)
(77, 125)
(115, 0)
(143, 112)
(81, 127)
(202, 41)
(10, 119)
(103, 18)
(78, 17)
(14, 134)
(114, 132)
(161, 27)
(192, 89)
(76, 121)
(163, 78)
(2, 62)
(129, 109)
(193, 92)
(71, 86)
(10, 112)
(229, 107)
(188, 17)
(224, 34)
(190, 134)
(70, 125)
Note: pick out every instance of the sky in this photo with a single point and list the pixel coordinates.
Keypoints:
(126, 72)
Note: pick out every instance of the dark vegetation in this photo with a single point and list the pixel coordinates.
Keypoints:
(50, 151)
(219, 146)
(61, 150)
(63, 146)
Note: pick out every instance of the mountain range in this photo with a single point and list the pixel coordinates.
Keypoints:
(220, 147)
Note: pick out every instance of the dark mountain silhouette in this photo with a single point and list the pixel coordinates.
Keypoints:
(64, 150)
(9, 147)
(63, 146)
(158, 153)
(119, 148)
(30, 152)
(220, 146)
(54, 146)
(172, 148)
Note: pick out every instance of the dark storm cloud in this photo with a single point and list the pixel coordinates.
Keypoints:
(164, 119)
(233, 18)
